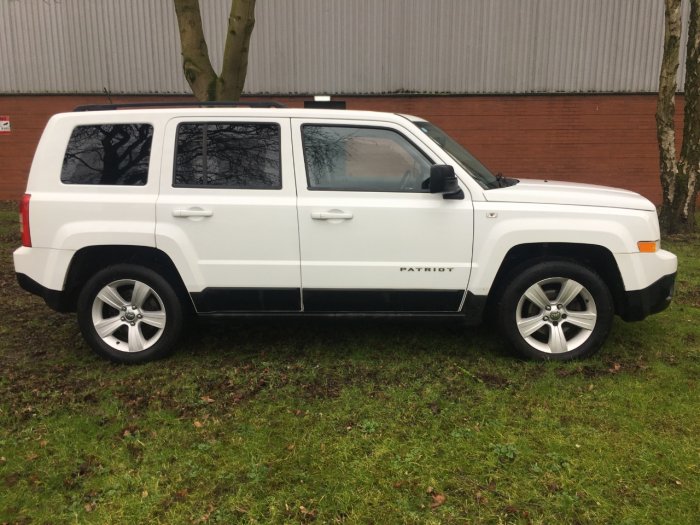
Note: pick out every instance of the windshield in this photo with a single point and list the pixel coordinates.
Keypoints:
(469, 162)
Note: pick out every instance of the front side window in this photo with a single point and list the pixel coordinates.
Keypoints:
(362, 159)
(108, 154)
(228, 155)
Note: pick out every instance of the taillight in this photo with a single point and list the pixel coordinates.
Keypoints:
(24, 221)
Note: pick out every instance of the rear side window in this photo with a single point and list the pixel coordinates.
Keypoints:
(109, 154)
(227, 155)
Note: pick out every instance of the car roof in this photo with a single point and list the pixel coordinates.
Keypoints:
(141, 113)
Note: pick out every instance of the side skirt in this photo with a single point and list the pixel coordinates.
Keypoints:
(286, 302)
(233, 300)
(328, 300)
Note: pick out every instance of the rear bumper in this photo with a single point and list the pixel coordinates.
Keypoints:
(42, 271)
(55, 299)
(656, 297)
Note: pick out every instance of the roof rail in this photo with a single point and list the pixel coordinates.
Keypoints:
(131, 105)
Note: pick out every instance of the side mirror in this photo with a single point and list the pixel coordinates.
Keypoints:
(443, 180)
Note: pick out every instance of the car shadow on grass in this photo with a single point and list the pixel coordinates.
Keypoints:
(331, 337)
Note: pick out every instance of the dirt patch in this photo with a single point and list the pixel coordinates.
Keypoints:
(493, 380)
(602, 370)
(689, 297)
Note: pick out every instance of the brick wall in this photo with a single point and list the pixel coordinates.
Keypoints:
(600, 139)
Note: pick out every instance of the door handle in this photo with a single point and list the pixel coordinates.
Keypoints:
(192, 212)
(330, 215)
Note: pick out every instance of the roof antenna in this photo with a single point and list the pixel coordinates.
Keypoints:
(109, 97)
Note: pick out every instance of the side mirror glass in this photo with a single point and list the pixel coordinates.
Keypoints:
(443, 180)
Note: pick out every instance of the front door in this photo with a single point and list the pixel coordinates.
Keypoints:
(371, 237)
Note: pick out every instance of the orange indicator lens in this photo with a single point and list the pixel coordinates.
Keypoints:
(647, 246)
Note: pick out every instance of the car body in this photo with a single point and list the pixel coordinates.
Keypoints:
(166, 213)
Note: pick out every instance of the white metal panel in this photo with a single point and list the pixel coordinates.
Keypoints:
(342, 46)
(262, 251)
(381, 232)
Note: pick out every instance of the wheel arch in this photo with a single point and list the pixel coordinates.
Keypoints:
(595, 257)
(86, 262)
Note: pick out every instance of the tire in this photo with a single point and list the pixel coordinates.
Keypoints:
(556, 310)
(129, 314)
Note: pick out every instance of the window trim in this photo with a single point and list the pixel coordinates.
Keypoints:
(221, 187)
(359, 126)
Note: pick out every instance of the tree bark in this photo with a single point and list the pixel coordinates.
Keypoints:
(196, 65)
(679, 176)
(241, 21)
(666, 110)
(206, 85)
(689, 165)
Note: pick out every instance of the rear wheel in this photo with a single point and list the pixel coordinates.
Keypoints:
(129, 314)
(556, 310)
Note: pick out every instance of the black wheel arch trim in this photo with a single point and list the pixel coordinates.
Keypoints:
(91, 259)
(595, 257)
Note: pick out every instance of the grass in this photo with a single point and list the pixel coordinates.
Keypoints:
(374, 421)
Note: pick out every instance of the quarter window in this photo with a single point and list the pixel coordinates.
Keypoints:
(228, 155)
(109, 154)
(362, 159)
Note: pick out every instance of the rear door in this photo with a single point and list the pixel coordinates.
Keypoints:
(372, 238)
(226, 213)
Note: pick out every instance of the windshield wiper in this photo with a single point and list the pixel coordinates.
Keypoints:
(504, 182)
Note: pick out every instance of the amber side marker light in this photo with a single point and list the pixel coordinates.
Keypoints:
(648, 246)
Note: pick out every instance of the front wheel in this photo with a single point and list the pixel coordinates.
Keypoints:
(129, 314)
(556, 310)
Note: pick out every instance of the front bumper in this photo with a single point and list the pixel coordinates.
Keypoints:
(656, 297)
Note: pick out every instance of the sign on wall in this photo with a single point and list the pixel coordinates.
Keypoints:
(5, 127)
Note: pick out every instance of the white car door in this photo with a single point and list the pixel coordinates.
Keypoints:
(371, 238)
(226, 214)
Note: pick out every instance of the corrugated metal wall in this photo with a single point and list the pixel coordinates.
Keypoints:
(342, 46)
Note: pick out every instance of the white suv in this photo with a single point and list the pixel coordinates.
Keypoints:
(139, 218)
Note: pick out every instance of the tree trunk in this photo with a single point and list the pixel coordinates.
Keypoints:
(679, 177)
(196, 65)
(240, 26)
(666, 110)
(206, 85)
(689, 165)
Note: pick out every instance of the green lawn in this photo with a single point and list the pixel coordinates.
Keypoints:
(348, 421)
